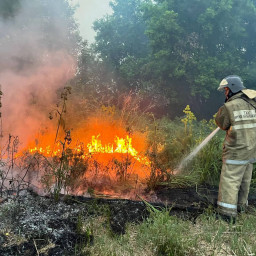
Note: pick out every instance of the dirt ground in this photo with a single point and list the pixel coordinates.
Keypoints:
(32, 223)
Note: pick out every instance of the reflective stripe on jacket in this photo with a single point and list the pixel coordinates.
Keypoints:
(238, 117)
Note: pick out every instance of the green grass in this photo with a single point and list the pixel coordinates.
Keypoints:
(170, 143)
(162, 234)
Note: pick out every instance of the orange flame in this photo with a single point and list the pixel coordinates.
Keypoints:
(122, 146)
(103, 143)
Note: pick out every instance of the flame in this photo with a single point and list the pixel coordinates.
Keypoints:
(47, 151)
(121, 146)
(96, 146)
(103, 145)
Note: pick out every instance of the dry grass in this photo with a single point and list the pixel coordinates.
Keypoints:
(162, 234)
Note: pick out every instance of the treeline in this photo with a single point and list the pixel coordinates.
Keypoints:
(178, 51)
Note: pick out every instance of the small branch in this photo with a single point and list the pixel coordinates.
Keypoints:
(37, 252)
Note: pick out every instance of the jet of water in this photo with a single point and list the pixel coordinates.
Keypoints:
(196, 150)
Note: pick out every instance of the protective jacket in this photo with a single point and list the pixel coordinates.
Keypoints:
(238, 117)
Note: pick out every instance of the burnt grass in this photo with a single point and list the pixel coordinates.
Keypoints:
(36, 225)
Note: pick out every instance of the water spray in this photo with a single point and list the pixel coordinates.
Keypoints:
(196, 150)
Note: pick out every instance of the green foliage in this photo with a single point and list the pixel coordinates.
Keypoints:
(165, 232)
(162, 234)
(84, 236)
(170, 143)
(179, 49)
(47, 18)
(125, 24)
(8, 8)
(207, 165)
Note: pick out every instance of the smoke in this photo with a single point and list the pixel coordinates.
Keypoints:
(38, 46)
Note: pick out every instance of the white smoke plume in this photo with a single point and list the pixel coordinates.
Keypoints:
(38, 45)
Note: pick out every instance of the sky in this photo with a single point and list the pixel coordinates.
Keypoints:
(87, 12)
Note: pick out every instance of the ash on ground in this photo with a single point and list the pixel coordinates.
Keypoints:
(39, 225)
(36, 225)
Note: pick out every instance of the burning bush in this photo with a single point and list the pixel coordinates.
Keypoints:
(113, 150)
(99, 151)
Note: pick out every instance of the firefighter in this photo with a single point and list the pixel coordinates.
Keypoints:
(238, 118)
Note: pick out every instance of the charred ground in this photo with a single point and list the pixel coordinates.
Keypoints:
(36, 225)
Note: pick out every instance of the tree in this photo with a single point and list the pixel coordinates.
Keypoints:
(120, 37)
(8, 8)
(31, 30)
(189, 46)
(211, 42)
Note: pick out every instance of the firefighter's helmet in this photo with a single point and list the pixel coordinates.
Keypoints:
(234, 83)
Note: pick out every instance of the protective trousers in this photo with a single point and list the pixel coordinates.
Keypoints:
(234, 188)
